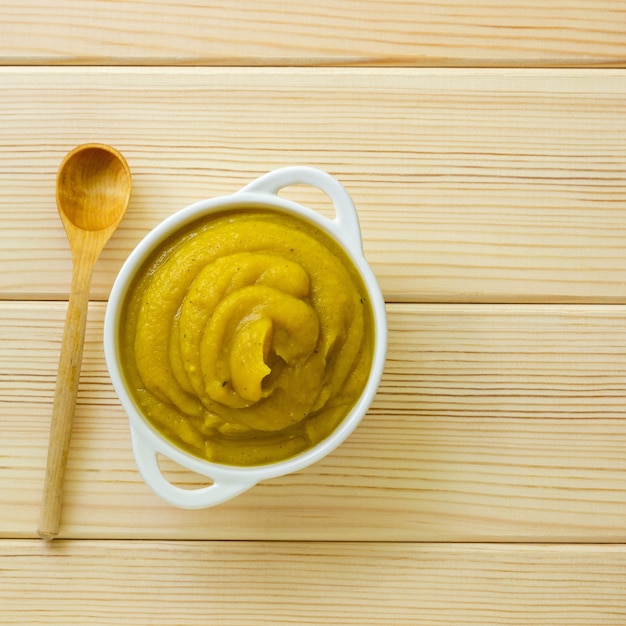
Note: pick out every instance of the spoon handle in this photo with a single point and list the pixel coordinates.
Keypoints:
(68, 376)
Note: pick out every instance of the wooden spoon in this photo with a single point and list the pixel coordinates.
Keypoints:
(93, 192)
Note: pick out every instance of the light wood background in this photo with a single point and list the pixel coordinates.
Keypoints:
(485, 149)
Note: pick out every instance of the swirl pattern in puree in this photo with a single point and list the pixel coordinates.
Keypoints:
(248, 338)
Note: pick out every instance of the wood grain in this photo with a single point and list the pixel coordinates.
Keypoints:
(471, 186)
(237, 583)
(492, 423)
(358, 32)
(491, 198)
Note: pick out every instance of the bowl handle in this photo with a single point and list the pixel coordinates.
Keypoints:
(147, 463)
(346, 216)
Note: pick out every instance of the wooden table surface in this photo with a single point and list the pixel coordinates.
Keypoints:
(485, 149)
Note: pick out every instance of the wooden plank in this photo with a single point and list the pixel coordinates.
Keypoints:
(359, 32)
(237, 583)
(472, 186)
(502, 423)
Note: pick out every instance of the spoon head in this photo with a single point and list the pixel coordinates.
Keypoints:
(93, 188)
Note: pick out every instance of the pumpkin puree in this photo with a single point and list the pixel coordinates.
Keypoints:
(248, 338)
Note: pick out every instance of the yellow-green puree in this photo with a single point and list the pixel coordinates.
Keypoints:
(248, 338)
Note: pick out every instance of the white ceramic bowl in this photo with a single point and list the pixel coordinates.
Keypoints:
(227, 480)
